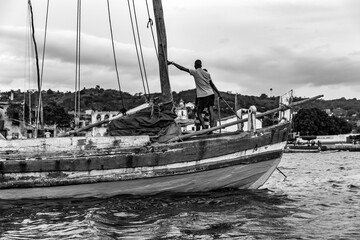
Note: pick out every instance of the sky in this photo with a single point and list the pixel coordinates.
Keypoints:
(248, 46)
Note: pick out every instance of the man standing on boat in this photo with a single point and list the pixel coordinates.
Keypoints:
(204, 90)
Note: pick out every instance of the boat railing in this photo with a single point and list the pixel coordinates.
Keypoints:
(258, 115)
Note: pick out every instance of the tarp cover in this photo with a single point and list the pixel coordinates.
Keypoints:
(157, 121)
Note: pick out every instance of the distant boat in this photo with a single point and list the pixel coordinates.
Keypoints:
(303, 149)
(79, 167)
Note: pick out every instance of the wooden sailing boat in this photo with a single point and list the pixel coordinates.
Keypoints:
(77, 167)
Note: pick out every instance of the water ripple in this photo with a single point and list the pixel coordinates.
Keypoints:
(319, 199)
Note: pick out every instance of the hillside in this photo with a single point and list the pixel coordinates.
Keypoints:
(111, 100)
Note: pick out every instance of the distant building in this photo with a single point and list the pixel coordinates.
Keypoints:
(328, 111)
(101, 116)
(358, 123)
(339, 112)
(190, 105)
(90, 117)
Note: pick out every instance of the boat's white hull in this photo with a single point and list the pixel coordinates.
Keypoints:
(240, 176)
(225, 161)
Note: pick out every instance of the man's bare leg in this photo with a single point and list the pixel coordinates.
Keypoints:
(201, 119)
(211, 116)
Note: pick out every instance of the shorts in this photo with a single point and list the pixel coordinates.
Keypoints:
(205, 102)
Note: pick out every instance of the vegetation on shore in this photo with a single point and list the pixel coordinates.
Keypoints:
(313, 121)
(310, 120)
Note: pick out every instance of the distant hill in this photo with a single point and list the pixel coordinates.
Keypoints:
(111, 100)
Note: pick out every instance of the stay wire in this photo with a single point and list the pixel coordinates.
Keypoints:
(40, 103)
(76, 60)
(141, 51)
(151, 23)
(137, 50)
(31, 56)
(27, 77)
(79, 61)
(114, 55)
(231, 108)
(147, 94)
(44, 45)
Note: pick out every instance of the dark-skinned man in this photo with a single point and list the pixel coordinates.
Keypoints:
(204, 90)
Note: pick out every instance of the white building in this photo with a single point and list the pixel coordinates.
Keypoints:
(97, 116)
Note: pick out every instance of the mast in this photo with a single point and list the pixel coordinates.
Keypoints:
(35, 45)
(37, 66)
(162, 51)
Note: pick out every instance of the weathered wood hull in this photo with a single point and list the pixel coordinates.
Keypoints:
(240, 176)
(91, 169)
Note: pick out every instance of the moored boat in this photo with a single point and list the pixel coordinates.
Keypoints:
(77, 167)
(102, 167)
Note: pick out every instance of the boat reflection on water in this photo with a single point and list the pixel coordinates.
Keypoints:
(319, 199)
(227, 212)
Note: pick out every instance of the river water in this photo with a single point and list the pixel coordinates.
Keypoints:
(319, 199)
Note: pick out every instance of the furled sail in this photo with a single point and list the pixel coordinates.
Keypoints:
(157, 121)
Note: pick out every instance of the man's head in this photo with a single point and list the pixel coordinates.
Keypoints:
(197, 64)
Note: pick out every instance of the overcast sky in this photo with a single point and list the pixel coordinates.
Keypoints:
(248, 46)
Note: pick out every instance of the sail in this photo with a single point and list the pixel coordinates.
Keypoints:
(156, 121)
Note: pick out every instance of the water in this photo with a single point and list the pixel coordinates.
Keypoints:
(320, 199)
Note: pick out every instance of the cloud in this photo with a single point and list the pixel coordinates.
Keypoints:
(285, 69)
(248, 46)
(97, 62)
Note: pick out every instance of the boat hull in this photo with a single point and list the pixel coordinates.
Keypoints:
(240, 176)
(241, 160)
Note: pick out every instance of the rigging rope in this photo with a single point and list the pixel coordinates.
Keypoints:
(137, 52)
(40, 103)
(141, 51)
(161, 44)
(136, 48)
(28, 59)
(151, 23)
(114, 55)
(79, 79)
(77, 63)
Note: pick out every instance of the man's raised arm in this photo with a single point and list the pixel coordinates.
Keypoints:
(179, 67)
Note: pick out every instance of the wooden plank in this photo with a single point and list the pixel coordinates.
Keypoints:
(69, 144)
(85, 165)
(160, 155)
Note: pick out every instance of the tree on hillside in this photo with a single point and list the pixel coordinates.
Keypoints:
(15, 112)
(54, 113)
(314, 121)
(263, 96)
